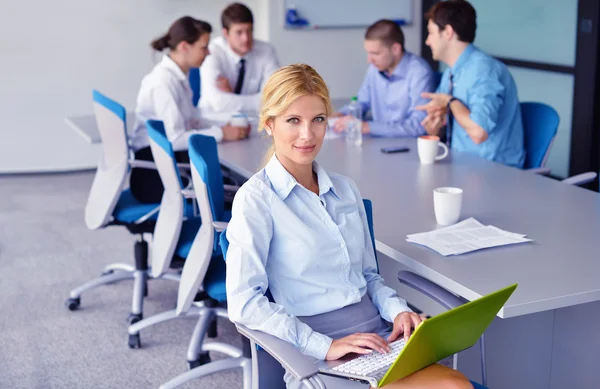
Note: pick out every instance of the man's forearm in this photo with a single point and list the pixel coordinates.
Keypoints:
(461, 113)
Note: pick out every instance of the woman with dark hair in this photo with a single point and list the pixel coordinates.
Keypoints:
(165, 94)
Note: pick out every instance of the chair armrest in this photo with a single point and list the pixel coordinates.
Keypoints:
(188, 177)
(430, 289)
(142, 164)
(580, 179)
(188, 193)
(300, 365)
(544, 171)
(220, 226)
(231, 188)
(147, 216)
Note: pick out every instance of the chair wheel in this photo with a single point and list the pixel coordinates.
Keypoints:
(73, 303)
(203, 359)
(134, 318)
(134, 341)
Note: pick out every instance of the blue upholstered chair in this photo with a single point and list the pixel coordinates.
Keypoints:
(177, 223)
(540, 124)
(111, 204)
(194, 77)
(205, 269)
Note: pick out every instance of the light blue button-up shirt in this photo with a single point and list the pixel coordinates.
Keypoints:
(391, 99)
(486, 87)
(313, 253)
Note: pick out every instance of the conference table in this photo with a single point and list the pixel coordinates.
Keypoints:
(548, 333)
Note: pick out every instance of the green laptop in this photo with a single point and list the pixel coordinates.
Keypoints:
(435, 339)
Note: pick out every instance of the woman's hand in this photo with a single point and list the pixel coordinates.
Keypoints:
(357, 343)
(403, 324)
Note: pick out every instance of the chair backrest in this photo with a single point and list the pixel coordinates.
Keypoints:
(262, 362)
(208, 186)
(204, 154)
(170, 218)
(113, 166)
(540, 123)
(437, 78)
(194, 77)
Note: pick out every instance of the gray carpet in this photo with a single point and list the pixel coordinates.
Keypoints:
(46, 250)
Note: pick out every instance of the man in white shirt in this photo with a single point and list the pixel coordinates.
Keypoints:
(233, 75)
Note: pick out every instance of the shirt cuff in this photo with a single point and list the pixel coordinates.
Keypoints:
(377, 128)
(214, 131)
(317, 345)
(482, 121)
(393, 307)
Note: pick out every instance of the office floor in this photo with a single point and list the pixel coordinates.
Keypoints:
(45, 250)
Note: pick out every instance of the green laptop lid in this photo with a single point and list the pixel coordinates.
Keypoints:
(446, 334)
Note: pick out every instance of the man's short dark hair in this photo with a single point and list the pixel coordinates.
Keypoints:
(236, 13)
(460, 14)
(386, 31)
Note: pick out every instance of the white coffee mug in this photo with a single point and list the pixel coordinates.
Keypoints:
(447, 204)
(428, 146)
(239, 120)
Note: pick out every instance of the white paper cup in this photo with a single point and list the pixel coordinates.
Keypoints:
(447, 204)
(428, 148)
(239, 120)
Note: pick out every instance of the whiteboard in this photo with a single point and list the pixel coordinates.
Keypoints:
(348, 14)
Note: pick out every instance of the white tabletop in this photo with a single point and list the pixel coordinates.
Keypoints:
(559, 268)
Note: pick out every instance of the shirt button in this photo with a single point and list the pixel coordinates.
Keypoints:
(342, 245)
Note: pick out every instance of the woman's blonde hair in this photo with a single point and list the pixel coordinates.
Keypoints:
(283, 88)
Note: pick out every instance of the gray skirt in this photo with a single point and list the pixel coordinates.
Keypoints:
(360, 317)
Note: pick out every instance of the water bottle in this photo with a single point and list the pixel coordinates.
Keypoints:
(354, 126)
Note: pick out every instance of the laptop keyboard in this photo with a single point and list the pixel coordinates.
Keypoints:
(366, 365)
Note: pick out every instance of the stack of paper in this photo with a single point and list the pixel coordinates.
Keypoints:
(466, 236)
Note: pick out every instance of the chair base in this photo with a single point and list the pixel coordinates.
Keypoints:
(115, 272)
(236, 360)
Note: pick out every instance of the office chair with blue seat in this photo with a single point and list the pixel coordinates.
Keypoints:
(270, 355)
(110, 204)
(181, 237)
(205, 268)
(540, 124)
(194, 78)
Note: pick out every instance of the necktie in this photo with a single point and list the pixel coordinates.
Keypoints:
(450, 117)
(240, 80)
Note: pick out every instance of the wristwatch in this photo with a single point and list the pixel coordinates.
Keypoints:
(450, 101)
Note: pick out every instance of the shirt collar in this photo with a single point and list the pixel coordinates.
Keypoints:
(283, 182)
(463, 58)
(400, 70)
(168, 63)
(233, 56)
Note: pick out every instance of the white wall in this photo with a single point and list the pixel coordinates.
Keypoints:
(55, 53)
(55, 56)
(337, 54)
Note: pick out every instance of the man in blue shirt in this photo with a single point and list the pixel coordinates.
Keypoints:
(477, 93)
(392, 86)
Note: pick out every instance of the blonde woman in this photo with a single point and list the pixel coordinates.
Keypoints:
(302, 233)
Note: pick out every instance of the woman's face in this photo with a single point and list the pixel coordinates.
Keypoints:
(299, 131)
(196, 52)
